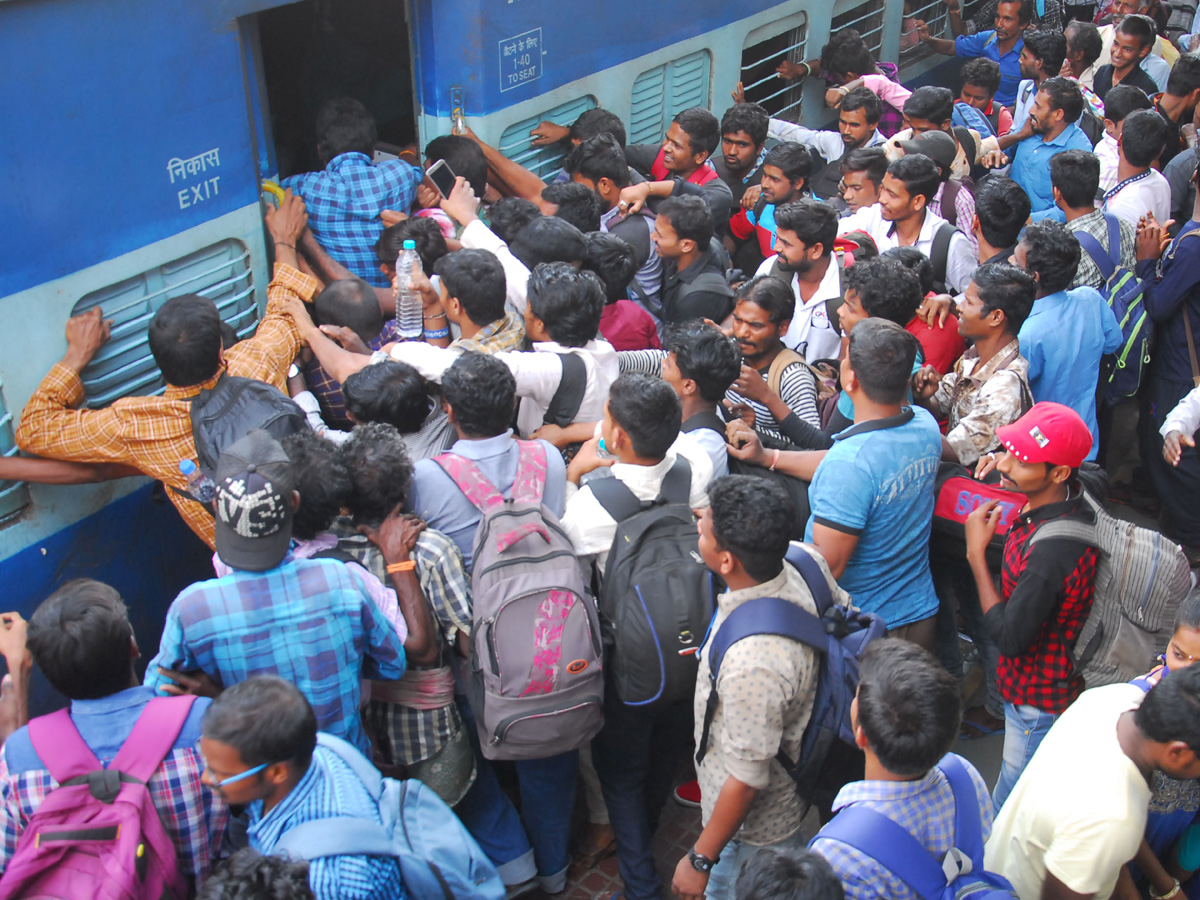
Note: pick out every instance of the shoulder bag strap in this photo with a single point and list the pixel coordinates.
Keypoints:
(968, 828)
(939, 253)
(616, 498)
(783, 359)
(676, 485)
(530, 482)
(567, 399)
(468, 478)
(890, 845)
(709, 420)
(1092, 247)
(153, 735)
(1191, 342)
(812, 573)
(61, 747)
(336, 836)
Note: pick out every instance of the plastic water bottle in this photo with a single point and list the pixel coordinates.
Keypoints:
(199, 485)
(409, 309)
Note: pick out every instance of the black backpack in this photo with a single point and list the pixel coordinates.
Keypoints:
(939, 254)
(225, 413)
(657, 596)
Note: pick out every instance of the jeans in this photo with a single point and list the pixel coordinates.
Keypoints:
(636, 754)
(722, 880)
(1024, 728)
(956, 588)
(536, 840)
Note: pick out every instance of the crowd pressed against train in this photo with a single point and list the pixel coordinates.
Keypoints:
(601, 479)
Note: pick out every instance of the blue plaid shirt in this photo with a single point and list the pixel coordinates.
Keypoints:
(924, 808)
(344, 202)
(330, 788)
(310, 621)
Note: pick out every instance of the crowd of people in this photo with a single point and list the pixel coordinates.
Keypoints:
(667, 382)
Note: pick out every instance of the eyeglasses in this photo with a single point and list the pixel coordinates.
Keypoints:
(232, 779)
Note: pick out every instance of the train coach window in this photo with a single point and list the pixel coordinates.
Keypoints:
(932, 13)
(124, 366)
(13, 494)
(664, 91)
(543, 161)
(765, 49)
(865, 18)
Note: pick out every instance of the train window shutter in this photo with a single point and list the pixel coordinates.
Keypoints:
(124, 366)
(865, 18)
(659, 94)
(542, 161)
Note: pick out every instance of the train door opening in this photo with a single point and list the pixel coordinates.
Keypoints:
(318, 50)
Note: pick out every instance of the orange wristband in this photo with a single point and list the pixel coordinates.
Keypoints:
(407, 566)
(774, 461)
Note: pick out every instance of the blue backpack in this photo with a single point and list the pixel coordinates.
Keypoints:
(838, 634)
(1123, 291)
(967, 116)
(961, 876)
(439, 860)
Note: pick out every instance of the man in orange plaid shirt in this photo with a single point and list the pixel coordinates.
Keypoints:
(152, 434)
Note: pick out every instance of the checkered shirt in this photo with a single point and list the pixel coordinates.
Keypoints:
(1044, 676)
(404, 735)
(1094, 224)
(193, 817)
(328, 390)
(503, 334)
(344, 202)
(328, 789)
(154, 433)
(924, 808)
(310, 621)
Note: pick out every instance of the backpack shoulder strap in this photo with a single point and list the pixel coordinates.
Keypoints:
(61, 747)
(1114, 238)
(1093, 248)
(890, 845)
(762, 615)
(530, 482)
(709, 420)
(814, 576)
(939, 252)
(949, 197)
(1066, 528)
(968, 829)
(567, 399)
(153, 736)
(336, 836)
(362, 767)
(616, 498)
(784, 359)
(676, 485)
(468, 478)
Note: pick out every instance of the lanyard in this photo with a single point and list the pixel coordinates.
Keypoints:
(1112, 192)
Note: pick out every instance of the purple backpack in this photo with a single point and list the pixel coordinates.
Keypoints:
(536, 685)
(98, 835)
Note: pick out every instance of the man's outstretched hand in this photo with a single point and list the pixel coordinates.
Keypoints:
(86, 334)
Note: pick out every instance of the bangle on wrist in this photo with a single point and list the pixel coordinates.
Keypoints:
(1174, 889)
(285, 244)
(407, 566)
(440, 315)
(807, 70)
(774, 460)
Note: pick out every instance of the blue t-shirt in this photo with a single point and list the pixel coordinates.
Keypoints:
(877, 482)
(985, 44)
(1031, 165)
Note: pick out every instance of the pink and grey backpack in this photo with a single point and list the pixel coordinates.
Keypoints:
(98, 835)
(536, 684)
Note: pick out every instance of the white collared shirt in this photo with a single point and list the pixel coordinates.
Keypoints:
(960, 261)
(811, 334)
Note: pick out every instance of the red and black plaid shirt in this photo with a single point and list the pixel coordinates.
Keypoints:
(1047, 591)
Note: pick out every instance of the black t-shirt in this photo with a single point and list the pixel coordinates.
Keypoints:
(1137, 78)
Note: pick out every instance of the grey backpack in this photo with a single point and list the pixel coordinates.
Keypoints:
(536, 685)
(1141, 578)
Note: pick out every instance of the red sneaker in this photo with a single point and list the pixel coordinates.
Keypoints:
(688, 794)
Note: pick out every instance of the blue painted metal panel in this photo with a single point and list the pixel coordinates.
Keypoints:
(98, 110)
(465, 43)
(138, 544)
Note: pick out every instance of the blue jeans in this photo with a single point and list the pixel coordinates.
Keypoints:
(722, 880)
(1024, 728)
(534, 842)
(636, 755)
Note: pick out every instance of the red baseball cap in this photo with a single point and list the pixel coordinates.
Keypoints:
(1048, 433)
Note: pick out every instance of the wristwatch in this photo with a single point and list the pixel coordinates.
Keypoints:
(701, 863)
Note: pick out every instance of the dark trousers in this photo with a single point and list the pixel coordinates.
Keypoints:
(1178, 487)
(636, 755)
